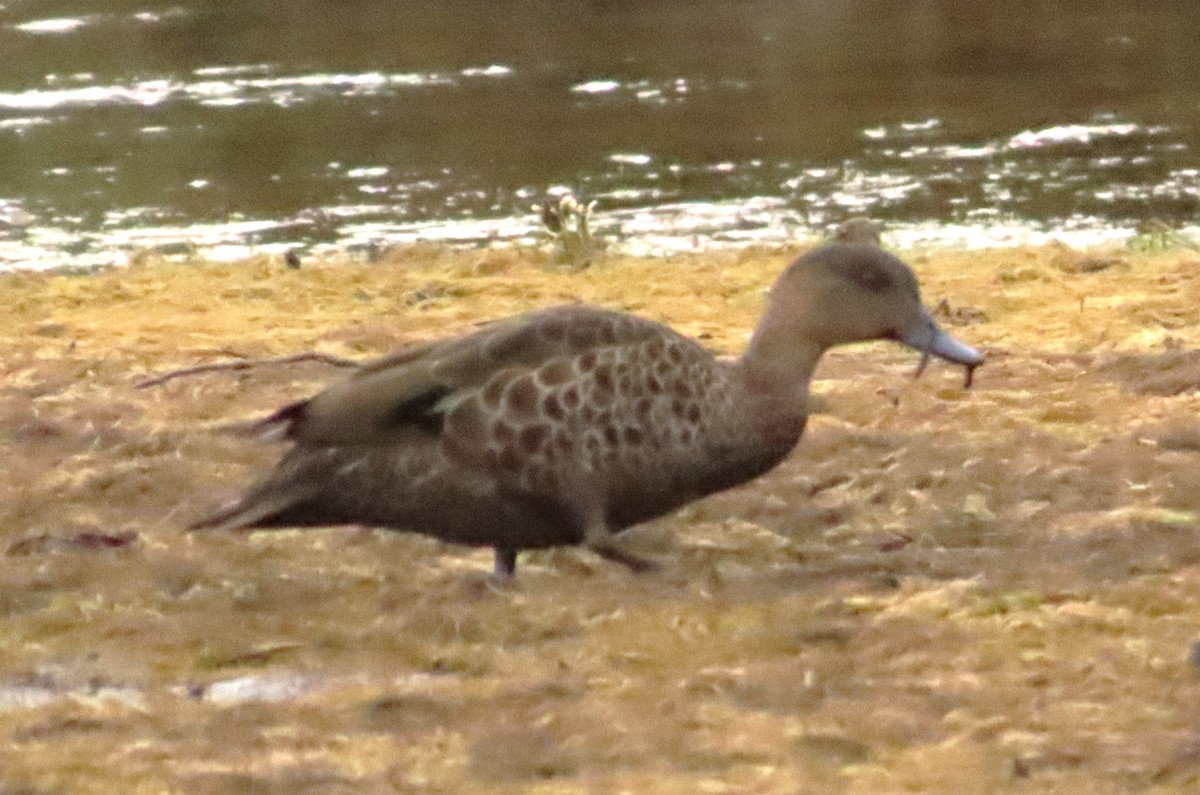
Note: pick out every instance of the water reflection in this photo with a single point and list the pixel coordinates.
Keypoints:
(217, 127)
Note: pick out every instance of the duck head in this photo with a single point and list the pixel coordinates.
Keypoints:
(842, 293)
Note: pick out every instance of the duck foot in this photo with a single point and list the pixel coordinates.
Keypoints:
(598, 538)
(635, 563)
(505, 568)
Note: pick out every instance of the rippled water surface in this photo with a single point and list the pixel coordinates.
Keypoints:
(235, 126)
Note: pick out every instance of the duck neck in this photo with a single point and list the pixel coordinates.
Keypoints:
(778, 367)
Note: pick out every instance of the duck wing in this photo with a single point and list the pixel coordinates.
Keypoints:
(413, 389)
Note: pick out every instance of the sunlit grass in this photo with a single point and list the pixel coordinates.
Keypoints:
(941, 591)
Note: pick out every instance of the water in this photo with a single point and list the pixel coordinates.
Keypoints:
(224, 128)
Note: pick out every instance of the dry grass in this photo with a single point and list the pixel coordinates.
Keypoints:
(941, 591)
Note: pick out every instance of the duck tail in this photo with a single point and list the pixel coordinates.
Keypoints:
(278, 501)
(256, 509)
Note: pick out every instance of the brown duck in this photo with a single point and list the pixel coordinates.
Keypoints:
(568, 425)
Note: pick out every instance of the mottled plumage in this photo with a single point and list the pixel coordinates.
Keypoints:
(570, 424)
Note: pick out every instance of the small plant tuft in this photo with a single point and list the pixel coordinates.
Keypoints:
(569, 224)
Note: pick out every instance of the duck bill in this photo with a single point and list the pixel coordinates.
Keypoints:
(931, 340)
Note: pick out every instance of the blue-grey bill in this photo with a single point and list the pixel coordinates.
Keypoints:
(930, 340)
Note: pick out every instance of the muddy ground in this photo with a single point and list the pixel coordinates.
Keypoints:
(942, 590)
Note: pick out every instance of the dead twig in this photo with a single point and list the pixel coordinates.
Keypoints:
(246, 364)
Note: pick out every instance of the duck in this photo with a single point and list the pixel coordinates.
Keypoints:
(568, 425)
(859, 229)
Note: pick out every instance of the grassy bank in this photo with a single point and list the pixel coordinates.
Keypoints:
(940, 591)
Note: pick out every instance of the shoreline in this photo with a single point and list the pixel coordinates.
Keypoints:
(661, 231)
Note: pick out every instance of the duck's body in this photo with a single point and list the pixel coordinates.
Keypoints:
(571, 424)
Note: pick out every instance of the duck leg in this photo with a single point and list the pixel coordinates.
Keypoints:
(506, 564)
(600, 540)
